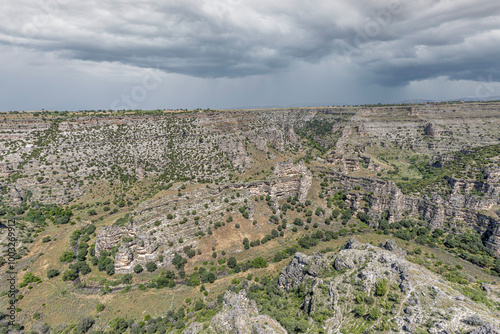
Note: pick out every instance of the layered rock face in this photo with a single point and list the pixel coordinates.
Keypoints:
(123, 260)
(207, 146)
(211, 145)
(109, 236)
(290, 179)
(148, 241)
(386, 197)
(426, 128)
(430, 130)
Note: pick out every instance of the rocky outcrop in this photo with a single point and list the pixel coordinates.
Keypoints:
(419, 297)
(15, 196)
(353, 243)
(488, 328)
(430, 130)
(299, 269)
(386, 195)
(241, 316)
(123, 260)
(389, 245)
(146, 249)
(236, 153)
(194, 328)
(149, 240)
(107, 237)
(290, 179)
(491, 236)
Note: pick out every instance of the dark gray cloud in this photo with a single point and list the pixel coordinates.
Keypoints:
(198, 38)
(391, 43)
(396, 41)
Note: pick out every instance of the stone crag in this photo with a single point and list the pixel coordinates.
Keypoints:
(424, 297)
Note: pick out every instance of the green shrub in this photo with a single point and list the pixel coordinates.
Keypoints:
(231, 262)
(403, 234)
(103, 262)
(259, 262)
(110, 269)
(138, 269)
(69, 275)
(359, 311)
(369, 300)
(198, 305)
(126, 279)
(84, 325)
(119, 325)
(52, 273)
(151, 266)
(29, 278)
(81, 267)
(67, 256)
(375, 313)
(208, 277)
(381, 287)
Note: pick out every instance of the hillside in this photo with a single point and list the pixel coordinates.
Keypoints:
(206, 221)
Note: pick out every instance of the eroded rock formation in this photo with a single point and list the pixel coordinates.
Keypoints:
(240, 315)
(365, 269)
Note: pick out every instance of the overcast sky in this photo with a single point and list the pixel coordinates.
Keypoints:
(69, 54)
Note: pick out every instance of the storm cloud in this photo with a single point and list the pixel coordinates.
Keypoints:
(386, 43)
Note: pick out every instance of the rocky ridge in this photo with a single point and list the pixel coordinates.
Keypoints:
(424, 299)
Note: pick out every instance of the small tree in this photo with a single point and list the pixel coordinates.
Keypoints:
(126, 279)
(375, 313)
(259, 262)
(198, 305)
(69, 275)
(381, 288)
(231, 262)
(359, 311)
(67, 256)
(178, 261)
(151, 266)
(52, 273)
(84, 325)
(110, 269)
